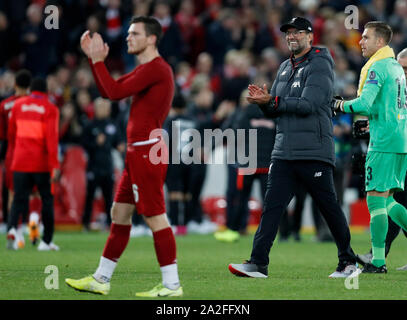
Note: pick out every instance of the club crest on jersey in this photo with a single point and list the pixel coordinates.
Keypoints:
(296, 84)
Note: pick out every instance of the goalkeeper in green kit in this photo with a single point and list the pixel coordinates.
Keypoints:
(382, 98)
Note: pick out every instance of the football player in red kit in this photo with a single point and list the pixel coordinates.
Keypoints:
(151, 86)
(22, 85)
(33, 132)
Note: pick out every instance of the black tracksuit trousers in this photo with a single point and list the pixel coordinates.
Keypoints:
(23, 185)
(317, 178)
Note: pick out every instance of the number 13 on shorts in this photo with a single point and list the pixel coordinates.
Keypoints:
(135, 192)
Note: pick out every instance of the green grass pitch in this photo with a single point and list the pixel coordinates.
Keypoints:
(297, 271)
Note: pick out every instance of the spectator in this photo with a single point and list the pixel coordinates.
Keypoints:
(192, 31)
(100, 136)
(38, 43)
(5, 52)
(248, 116)
(268, 35)
(22, 85)
(84, 105)
(114, 17)
(219, 38)
(236, 76)
(171, 46)
(70, 128)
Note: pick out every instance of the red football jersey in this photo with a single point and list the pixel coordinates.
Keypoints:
(5, 108)
(151, 85)
(33, 130)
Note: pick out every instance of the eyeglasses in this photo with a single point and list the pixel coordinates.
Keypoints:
(295, 33)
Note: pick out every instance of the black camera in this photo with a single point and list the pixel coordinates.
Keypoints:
(357, 131)
(358, 162)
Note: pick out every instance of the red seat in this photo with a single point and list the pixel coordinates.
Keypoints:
(215, 208)
(70, 191)
(359, 214)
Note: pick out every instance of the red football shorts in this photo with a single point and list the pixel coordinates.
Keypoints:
(142, 182)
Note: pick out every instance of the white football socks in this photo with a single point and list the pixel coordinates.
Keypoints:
(106, 267)
(170, 276)
(105, 270)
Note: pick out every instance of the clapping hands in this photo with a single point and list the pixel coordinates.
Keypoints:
(94, 47)
(258, 95)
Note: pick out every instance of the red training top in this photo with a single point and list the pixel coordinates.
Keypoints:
(33, 130)
(5, 108)
(152, 87)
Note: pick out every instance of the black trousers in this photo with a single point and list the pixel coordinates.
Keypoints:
(23, 184)
(231, 195)
(106, 183)
(317, 178)
(193, 208)
(189, 180)
(238, 218)
(4, 197)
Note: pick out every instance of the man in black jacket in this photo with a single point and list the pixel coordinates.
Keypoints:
(100, 136)
(299, 101)
(247, 117)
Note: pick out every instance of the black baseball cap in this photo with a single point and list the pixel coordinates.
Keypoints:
(298, 23)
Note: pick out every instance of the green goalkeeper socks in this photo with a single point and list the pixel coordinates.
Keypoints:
(378, 228)
(397, 212)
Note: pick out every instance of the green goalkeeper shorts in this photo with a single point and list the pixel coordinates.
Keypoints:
(385, 171)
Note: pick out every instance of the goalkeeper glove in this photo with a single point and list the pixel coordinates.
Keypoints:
(337, 104)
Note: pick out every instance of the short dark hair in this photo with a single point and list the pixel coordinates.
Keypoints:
(39, 84)
(382, 30)
(151, 26)
(23, 79)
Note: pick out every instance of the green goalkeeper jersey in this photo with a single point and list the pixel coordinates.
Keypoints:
(383, 101)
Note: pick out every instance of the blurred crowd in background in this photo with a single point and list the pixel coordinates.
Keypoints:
(215, 47)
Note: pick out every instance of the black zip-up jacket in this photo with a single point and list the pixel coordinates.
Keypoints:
(100, 160)
(303, 115)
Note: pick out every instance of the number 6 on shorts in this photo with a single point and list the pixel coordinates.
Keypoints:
(135, 192)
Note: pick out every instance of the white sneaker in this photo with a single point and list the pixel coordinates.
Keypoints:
(12, 239)
(47, 247)
(209, 226)
(403, 268)
(205, 227)
(3, 228)
(350, 270)
(138, 231)
(194, 227)
(53, 246)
